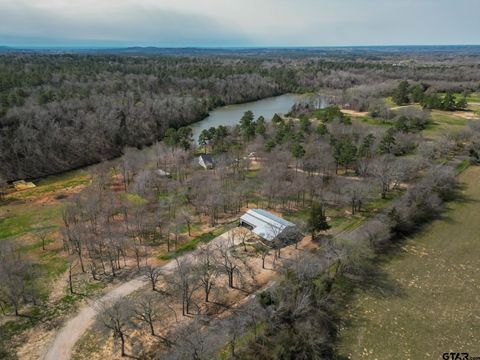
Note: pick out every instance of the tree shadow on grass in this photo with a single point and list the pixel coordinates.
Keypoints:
(374, 282)
(381, 285)
(378, 283)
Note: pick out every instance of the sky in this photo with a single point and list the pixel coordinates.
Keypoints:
(238, 23)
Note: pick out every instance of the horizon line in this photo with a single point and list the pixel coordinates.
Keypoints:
(220, 47)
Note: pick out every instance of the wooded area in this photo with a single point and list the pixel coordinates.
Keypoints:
(61, 112)
(353, 184)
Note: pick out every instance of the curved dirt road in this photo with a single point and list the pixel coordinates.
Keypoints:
(65, 340)
(72, 331)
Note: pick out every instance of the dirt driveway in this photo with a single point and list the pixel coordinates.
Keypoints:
(72, 331)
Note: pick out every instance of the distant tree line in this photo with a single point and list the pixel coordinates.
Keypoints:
(59, 112)
(406, 94)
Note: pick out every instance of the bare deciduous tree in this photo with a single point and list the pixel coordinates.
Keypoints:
(207, 269)
(152, 274)
(228, 260)
(184, 281)
(116, 318)
(148, 310)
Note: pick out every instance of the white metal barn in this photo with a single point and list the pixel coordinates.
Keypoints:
(265, 224)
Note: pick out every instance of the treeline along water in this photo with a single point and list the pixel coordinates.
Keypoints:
(63, 111)
(230, 115)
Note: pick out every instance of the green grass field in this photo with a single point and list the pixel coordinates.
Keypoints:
(428, 301)
(371, 121)
(52, 184)
(473, 97)
(389, 102)
(192, 243)
(26, 213)
(444, 121)
(23, 213)
(19, 220)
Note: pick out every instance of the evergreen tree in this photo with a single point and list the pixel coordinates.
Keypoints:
(400, 95)
(305, 124)
(462, 103)
(218, 139)
(298, 152)
(204, 139)
(171, 137)
(247, 125)
(277, 119)
(269, 145)
(344, 151)
(260, 127)
(331, 113)
(185, 137)
(317, 221)
(432, 101)
(417, 93)
(321, 129)
(366, 146)
(448, 102)
(387, 142)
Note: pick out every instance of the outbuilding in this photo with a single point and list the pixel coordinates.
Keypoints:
(206, 161)
(268, 226)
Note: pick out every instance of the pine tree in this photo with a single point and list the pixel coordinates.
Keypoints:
(317, 221)
(400, 96)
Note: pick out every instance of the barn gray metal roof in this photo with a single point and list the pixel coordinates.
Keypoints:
(207, 158)
(266, 225)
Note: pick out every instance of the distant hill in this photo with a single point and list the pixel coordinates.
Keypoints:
(256, 51)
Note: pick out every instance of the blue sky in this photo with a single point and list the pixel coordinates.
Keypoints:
(238, 23)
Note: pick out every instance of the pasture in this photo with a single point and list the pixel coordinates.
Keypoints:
(427, 301)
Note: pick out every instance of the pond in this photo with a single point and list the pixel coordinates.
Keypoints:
(230, 115)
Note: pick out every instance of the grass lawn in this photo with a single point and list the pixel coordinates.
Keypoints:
(27, 212)
(444, 121)
(192, 243)
(55, 183)
(389, 102)
(475, 108)
(18, 220)
(428, 301)
(371, 121)
(134, 199)
(475, 97)
(22, 213)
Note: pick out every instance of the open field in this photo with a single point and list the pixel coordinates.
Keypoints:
(475, 98)
(471, 98)
(443, 121)
(428, 303)
(27, 213)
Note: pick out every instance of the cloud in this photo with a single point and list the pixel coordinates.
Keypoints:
(113, 22)
(240, 22)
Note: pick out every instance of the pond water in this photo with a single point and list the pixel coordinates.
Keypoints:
(230, 115)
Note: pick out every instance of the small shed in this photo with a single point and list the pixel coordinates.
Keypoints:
(206, 161)
(23, 185)
(266, 225)
(162, 173)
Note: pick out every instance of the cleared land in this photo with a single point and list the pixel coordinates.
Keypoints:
(428, 302)
(25, 214)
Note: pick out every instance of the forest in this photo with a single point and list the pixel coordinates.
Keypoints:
(356, 178)
(387, 181)
(63, 111)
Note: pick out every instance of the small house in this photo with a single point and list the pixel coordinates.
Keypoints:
(268, 226)
(206, 161)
